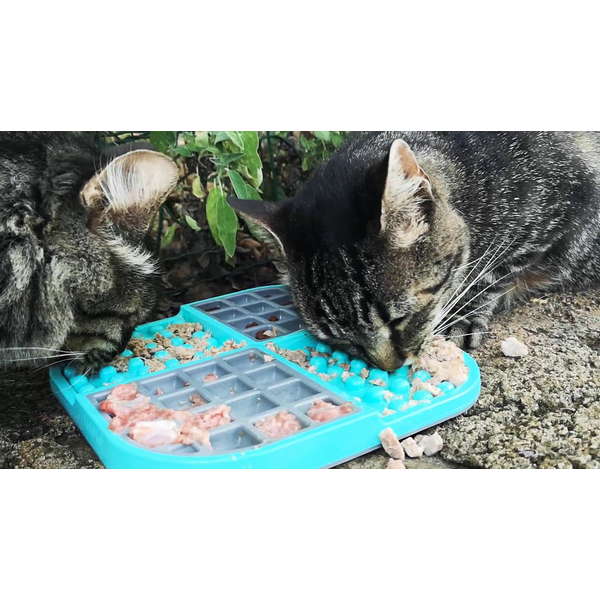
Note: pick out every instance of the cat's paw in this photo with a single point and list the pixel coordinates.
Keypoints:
(469, 334)
(97, 358)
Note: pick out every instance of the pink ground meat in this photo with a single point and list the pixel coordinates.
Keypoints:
(148, 412)
(280, 425)
(419, 384)
(192, 433)
(137, 409)
(325, 411)
(445, 361)
(155, 433)
(210, 378)
(121, 407)
(126, 391)
(214, 417)
(161, 432)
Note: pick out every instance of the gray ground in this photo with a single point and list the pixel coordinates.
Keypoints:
(539, 411)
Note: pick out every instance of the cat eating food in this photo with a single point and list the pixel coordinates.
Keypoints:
(402, 236)
(76, 269)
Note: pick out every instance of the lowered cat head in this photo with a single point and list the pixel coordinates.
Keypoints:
(370, 250)
(99, 242)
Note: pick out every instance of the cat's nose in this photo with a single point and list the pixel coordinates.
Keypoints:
(386, 357)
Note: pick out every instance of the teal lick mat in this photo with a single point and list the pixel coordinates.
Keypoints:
(255, 382)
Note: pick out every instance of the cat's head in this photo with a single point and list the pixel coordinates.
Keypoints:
(101, 245)
(370, 252)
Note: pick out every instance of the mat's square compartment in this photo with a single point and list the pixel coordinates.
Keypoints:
(268, 375)
(292, 325)
(229, 314)
(181, 400)
(211, 307)
(166, 384)
(235, 438)
(258, 308)
(200, 372)
(280, 315)
(285, 301)
(243, 299)
(302, 420)
(249, 406)
(251, 359)
(293, 391)
(270, 294)
(247, 323)
(304, 406)
(228, 388)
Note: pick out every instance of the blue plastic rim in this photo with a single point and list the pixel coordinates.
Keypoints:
(281, 385)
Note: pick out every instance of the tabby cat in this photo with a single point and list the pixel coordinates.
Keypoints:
(401, 235)
(75, 269)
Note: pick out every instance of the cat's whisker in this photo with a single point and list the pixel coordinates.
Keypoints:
(478, 309)
(489, 267)
(40, 348)
(446, 319)
(54, 363)
(482, 273)
(477, 261)
(461, 335)
(16, 360)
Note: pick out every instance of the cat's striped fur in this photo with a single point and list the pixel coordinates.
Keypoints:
(74, 268)
(390, 241)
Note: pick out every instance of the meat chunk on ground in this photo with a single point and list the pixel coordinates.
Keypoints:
(411, 448)
(396, 464)
(430, 444)
(390, 444)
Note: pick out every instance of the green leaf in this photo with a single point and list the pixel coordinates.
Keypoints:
(324, 136)
(197, 188)
(163, 140)
(249, 140)
(221, 137)
(236, 138)
(233, 136)
(222, 220)
(226, 159)
(202, 139)
(336, 139)
(183, 151)
(251, 158)
(167, 237)
(242, 190)
(246, 192)
(192, 223)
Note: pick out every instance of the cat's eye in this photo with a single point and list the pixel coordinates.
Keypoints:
(397, 322)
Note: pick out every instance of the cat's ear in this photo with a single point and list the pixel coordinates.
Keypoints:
(406, 198)
(261, 213)
(131, 188)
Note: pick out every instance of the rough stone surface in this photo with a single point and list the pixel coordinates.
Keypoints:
(539, 411)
